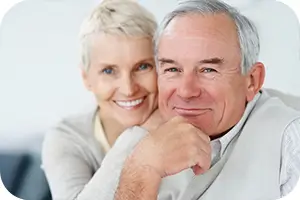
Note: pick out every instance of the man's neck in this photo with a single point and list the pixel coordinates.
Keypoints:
(217, 136)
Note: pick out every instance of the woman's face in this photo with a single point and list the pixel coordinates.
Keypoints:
(122, 77)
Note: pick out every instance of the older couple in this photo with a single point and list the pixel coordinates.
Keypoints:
(216, 133)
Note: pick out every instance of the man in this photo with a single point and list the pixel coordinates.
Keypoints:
(242, 143)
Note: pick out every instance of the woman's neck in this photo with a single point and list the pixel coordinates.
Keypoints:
(111, 127)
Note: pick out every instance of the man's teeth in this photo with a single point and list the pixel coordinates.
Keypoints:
(130, 103)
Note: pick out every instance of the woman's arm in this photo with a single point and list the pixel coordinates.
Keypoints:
(71, 176)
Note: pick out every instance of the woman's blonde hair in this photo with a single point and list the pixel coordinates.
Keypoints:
(115, 17)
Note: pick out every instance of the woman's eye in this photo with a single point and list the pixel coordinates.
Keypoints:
(208, 70)
(107, 71)
(144, 66)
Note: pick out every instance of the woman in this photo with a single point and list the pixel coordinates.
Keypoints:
(118, 68)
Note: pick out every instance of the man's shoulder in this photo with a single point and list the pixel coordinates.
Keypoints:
(272, 111)
(289, 100)
(278, 104)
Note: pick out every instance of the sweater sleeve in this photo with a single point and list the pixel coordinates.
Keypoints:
(71, 176)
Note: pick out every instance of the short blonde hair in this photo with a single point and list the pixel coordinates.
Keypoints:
(115, 17)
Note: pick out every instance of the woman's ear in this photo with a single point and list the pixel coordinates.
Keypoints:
(255, 80)
(85, 77)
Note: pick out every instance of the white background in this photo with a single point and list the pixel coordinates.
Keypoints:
(5, 5)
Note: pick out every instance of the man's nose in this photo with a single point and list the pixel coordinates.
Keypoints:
(188, 87)
(128, 86)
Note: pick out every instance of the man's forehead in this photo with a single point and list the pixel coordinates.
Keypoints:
(193, 43)
(199, 27)
(189, 42)
(194, 39)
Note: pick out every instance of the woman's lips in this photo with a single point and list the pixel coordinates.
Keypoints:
(131, 104)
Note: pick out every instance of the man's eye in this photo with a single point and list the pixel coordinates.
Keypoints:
(172, 69)
(144, 66)
(208, 70)
(107, 71)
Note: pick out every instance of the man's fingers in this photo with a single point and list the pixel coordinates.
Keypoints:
(178, 119)
(201, 162)
(204, 162)
(203, 136)
(205, 146)
(197, 170)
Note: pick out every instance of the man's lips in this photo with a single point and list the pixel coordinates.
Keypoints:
(190, 111)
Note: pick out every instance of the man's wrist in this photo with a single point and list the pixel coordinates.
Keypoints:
(138, 182)
(144, 173)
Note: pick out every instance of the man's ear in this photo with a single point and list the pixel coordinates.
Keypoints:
(255, 80)
(85, 77)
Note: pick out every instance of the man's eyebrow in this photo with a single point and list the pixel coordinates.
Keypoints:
(214, 60)
(166, 61)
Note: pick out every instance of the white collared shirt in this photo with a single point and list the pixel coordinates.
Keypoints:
(100, 135)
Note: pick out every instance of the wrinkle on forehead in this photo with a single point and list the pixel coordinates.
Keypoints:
(203, 46)
(193, 26)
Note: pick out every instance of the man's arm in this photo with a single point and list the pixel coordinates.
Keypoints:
(168, 150)
(138, 184)
(290, 167)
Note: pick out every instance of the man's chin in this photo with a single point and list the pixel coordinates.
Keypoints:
(199, 122)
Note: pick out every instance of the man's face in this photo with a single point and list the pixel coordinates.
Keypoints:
(199, 74)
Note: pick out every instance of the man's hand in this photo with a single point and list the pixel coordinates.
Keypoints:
(169, 149)
(173, 147)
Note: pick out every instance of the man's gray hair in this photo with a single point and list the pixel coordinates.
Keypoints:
(247, 33)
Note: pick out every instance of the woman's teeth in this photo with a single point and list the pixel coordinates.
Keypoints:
(130, 103)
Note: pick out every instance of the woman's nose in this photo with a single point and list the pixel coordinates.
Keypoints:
(128, 86)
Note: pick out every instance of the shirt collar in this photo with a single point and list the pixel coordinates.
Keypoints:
(100, 135)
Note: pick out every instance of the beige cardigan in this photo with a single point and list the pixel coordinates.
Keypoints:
(72, 157)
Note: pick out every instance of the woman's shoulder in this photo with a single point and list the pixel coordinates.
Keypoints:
(73, 137)
(77, 126)
(71, 140)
